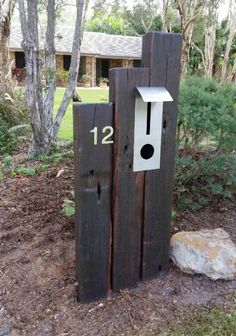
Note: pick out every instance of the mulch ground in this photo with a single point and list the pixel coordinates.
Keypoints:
(37, 269)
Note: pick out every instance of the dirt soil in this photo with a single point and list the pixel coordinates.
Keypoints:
(37, 269)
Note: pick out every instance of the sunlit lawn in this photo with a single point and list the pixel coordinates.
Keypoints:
(88, 96)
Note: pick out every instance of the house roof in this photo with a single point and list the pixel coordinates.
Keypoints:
(97, 44)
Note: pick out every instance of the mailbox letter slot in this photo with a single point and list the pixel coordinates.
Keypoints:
(148, 127)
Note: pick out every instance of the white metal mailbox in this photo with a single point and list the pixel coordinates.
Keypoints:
(148, 127)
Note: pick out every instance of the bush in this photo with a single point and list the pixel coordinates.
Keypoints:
(202, 180)
(85, 78)
(19, 74)
(13, 119)
(62, 75)
(7, 140)
(207, 112)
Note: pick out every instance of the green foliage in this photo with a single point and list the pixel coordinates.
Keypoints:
(201, 180)
(103, 80)
(57, 155)
(207, 110)
(107, 18)
(10, 168)
(143, 17)
(204, 322)
(110, 24)
(25, 171)
(13, 110)
(85, 78)
(13, 119)
(7, 161)
(8, 141)
(62, 75)
(68, 206)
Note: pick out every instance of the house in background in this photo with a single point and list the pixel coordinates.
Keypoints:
(99, 52)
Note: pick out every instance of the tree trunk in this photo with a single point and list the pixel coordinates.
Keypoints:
(34, 93)
(187, 38)
(233, 72)
(165, 5)
(50, 67)
(188, 11)
(210, 36)
(82, 7)
(232, 29)
(41, 106)
(6, 10)
(210, 41)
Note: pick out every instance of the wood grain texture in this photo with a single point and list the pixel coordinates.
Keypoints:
(127, 202)
(93, 172)
(161, 53)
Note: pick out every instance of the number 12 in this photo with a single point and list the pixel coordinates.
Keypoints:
(105, 140)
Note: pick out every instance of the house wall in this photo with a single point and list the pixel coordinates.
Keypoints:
(115, 63)
(13, 59)
(128, 63)
(59, 62)
(88, 65)
(118, 63)
(82, 66)
(90, 68)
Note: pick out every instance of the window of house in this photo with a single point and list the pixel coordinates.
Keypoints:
(20, 59)
(66, 62)
(82, 66)
(137, 64)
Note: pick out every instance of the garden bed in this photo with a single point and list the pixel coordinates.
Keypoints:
(37, 271)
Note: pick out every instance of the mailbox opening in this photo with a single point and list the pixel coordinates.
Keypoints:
(147, 151)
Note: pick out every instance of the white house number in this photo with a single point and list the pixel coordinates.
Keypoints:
(106, 140)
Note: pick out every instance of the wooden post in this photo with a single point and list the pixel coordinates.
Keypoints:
(127, 202)
(162, 54)
(123, 216)
(93, 173)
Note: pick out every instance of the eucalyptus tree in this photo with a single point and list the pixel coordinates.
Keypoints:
(188, 12)
(211, 13)
(107, 18)
(41, 103)
(231, 35)
(143, 17)
(6, 12)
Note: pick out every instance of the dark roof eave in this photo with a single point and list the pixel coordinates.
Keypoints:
(89, 55)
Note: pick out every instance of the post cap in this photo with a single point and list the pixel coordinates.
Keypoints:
(154, 94)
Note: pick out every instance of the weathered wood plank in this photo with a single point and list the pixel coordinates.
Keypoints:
(127, 203)
(93, 173)
(161, 53)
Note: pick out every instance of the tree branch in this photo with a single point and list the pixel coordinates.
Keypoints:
(50, 66)
(201, 53)
(74, 67)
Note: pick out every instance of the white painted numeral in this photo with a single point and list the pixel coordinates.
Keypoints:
(95, 135)
(105, 140)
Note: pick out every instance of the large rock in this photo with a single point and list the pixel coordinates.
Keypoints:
(209, 252)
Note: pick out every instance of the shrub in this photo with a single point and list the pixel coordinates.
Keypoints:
(13, 110)
(62, 75)
(7, 141)
(103, 80)
(19, 74)
(13, 119)
(202, 180)
(207, 111)
(85, 78)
